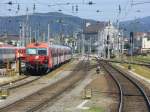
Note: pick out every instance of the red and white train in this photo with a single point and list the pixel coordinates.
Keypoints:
(11, 53)
(42, 57)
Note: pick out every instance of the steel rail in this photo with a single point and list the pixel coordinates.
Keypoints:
(132, 80)
(14, 81)
(120, 90)
(52, 91)
(140, 88)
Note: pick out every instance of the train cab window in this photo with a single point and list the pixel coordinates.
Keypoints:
(31, 51)
(4, 51)
(42, 51)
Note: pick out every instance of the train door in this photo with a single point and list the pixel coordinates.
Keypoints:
(50, 59)
(61, 55)
(58, 55)
(52, 56)
(1, 54)
(55, 56)
(64, 54)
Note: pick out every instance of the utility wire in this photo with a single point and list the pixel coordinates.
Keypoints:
(140, 3)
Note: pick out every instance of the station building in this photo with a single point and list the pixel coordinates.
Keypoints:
(141, 42)
(10, 39)
(95, 37)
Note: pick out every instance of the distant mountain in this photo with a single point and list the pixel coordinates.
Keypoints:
(137, 25)
(58, 23)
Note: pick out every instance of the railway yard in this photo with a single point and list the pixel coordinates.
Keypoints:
(76, 86)
(74, 56)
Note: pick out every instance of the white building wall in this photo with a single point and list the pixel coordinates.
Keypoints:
(145, 43)
(112, 32)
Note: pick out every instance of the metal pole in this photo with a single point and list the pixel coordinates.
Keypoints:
(35, 36)
(48, 34)
(38, 35)
(20, 35)
(23, 35)
(108, 43)
(27, 27)
(19, 65)
(83, 44)
(122, 45)
(98, 48)
(90, 46)
(30, 34)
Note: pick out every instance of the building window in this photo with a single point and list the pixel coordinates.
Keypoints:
(148, 38)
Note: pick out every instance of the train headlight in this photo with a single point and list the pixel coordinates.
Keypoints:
(36, 57)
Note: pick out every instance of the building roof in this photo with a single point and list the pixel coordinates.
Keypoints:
(94, 28)
(6, 45)
(141, 34)
(9, 37)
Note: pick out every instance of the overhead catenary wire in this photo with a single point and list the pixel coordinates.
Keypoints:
(140, 3)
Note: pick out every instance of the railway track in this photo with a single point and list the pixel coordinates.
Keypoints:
(133, 96)
(20, 82)
(7, 83)
(36, 100)
(145, 63)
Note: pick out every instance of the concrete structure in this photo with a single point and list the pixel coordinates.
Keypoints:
(109, 40)
(10, 39)
(87, 41)
(141, 42)
(98, 38)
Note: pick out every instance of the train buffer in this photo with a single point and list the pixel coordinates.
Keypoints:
(87, 93)
(10, 72)
(4, 93)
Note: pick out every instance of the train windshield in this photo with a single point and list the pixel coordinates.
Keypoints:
(31, 51)
(42, 51)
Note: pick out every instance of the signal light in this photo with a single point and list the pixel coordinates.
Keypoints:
(10, 3)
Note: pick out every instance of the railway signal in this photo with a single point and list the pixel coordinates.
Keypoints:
(131, 48)
(10, 3)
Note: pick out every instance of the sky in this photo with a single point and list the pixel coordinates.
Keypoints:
(108, 9)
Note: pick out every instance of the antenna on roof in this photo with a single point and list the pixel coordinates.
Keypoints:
(48, 34)
(77, 8)
(34, 8)
(72, 8)
(18, 8)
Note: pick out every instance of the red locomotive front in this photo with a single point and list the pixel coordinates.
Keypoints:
(42, 57)
(37, 57)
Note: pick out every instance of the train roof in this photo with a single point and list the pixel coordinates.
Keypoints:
(6, 45)
(37, 44)
(59, 46)
(45, 45)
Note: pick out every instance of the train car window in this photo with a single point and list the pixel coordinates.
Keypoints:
(53, 52)
(31, 51)
(42, 51)
(56, 53)
(13, 51)
(8, 51)
(4, 51)
(60, 52)
(0, 51)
